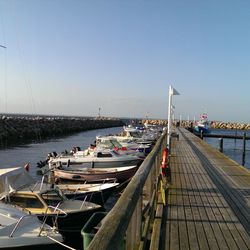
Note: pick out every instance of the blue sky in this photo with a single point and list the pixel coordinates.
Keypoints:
(72, 57)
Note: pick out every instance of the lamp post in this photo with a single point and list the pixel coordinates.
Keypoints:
(171, 92)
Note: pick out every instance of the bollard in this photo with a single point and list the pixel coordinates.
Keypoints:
(201, 135)
(221, 144)
(244, 149)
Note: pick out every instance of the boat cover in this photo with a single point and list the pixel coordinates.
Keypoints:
(12, 179)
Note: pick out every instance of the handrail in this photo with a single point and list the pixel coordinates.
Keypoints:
(117, 220)
(56, 216)
(18, 222)
(21, 219)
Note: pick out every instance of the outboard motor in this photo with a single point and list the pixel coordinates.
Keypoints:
(68, 163)
(41, 164)
(54, 154)
(73, 150)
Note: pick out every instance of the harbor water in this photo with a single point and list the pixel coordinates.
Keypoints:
(233, 148)
(38, 151)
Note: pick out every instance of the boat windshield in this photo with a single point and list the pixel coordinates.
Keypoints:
(52, 197)
(26, 201)
(109, 144)
(136, 134)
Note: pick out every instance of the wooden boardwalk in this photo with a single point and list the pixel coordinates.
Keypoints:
(208, 199)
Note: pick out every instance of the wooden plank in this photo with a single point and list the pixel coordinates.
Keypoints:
(203, 211)
(155, 239)
(172, 236)
(159, 210)
(207, 227)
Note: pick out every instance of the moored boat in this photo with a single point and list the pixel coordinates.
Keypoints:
(93, 174)
(95, 192)
(97, 158)
(20, 230)
(45, 201)
(202, 125)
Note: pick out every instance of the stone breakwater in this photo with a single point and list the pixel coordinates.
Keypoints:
(214, 124)
(17, 129)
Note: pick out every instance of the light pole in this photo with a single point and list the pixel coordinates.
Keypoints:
(171, 92)
(99, 113)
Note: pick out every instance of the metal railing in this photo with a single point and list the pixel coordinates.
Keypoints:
(126, 226)
(18, 224)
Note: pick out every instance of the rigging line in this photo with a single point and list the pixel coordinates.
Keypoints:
(26, 78)
(5, 65)
(26, 74)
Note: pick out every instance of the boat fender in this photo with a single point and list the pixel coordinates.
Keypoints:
(164, 165)
(27, 167)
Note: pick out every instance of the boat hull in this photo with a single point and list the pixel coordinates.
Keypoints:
(73, 222)
(97, 197)
(12, 246)
(95, 163)
(199, 129)
(120, 174)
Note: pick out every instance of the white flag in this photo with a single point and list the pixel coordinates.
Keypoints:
(173, 91)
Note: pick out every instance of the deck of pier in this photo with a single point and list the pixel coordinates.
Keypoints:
(208, 205)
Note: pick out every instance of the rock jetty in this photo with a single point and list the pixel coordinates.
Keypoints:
(214, 124)
(20, 128)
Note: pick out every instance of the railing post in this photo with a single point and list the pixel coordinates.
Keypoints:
(221, 144)
(201, 134)
(134, 230)
(244, 149)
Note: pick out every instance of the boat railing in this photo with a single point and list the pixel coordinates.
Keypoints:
(59, 213)
(128, 224)
(105, 180)
(18, 224)
(83, 202)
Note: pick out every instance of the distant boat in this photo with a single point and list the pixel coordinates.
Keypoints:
(202, 125)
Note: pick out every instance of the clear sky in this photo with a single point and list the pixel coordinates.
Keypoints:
(72, 57)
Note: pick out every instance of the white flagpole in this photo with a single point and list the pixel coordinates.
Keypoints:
(171, 92)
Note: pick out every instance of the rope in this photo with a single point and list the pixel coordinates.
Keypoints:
(60, 243)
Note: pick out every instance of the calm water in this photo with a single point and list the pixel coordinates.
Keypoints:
(35, 152)
(231, 147)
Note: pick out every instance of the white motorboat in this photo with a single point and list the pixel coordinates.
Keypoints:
(94, 192)
(121, 174)
(96, 158)
(20, 230)
(139, 136)
(202, 125)
(123, 144)
(45, 201)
